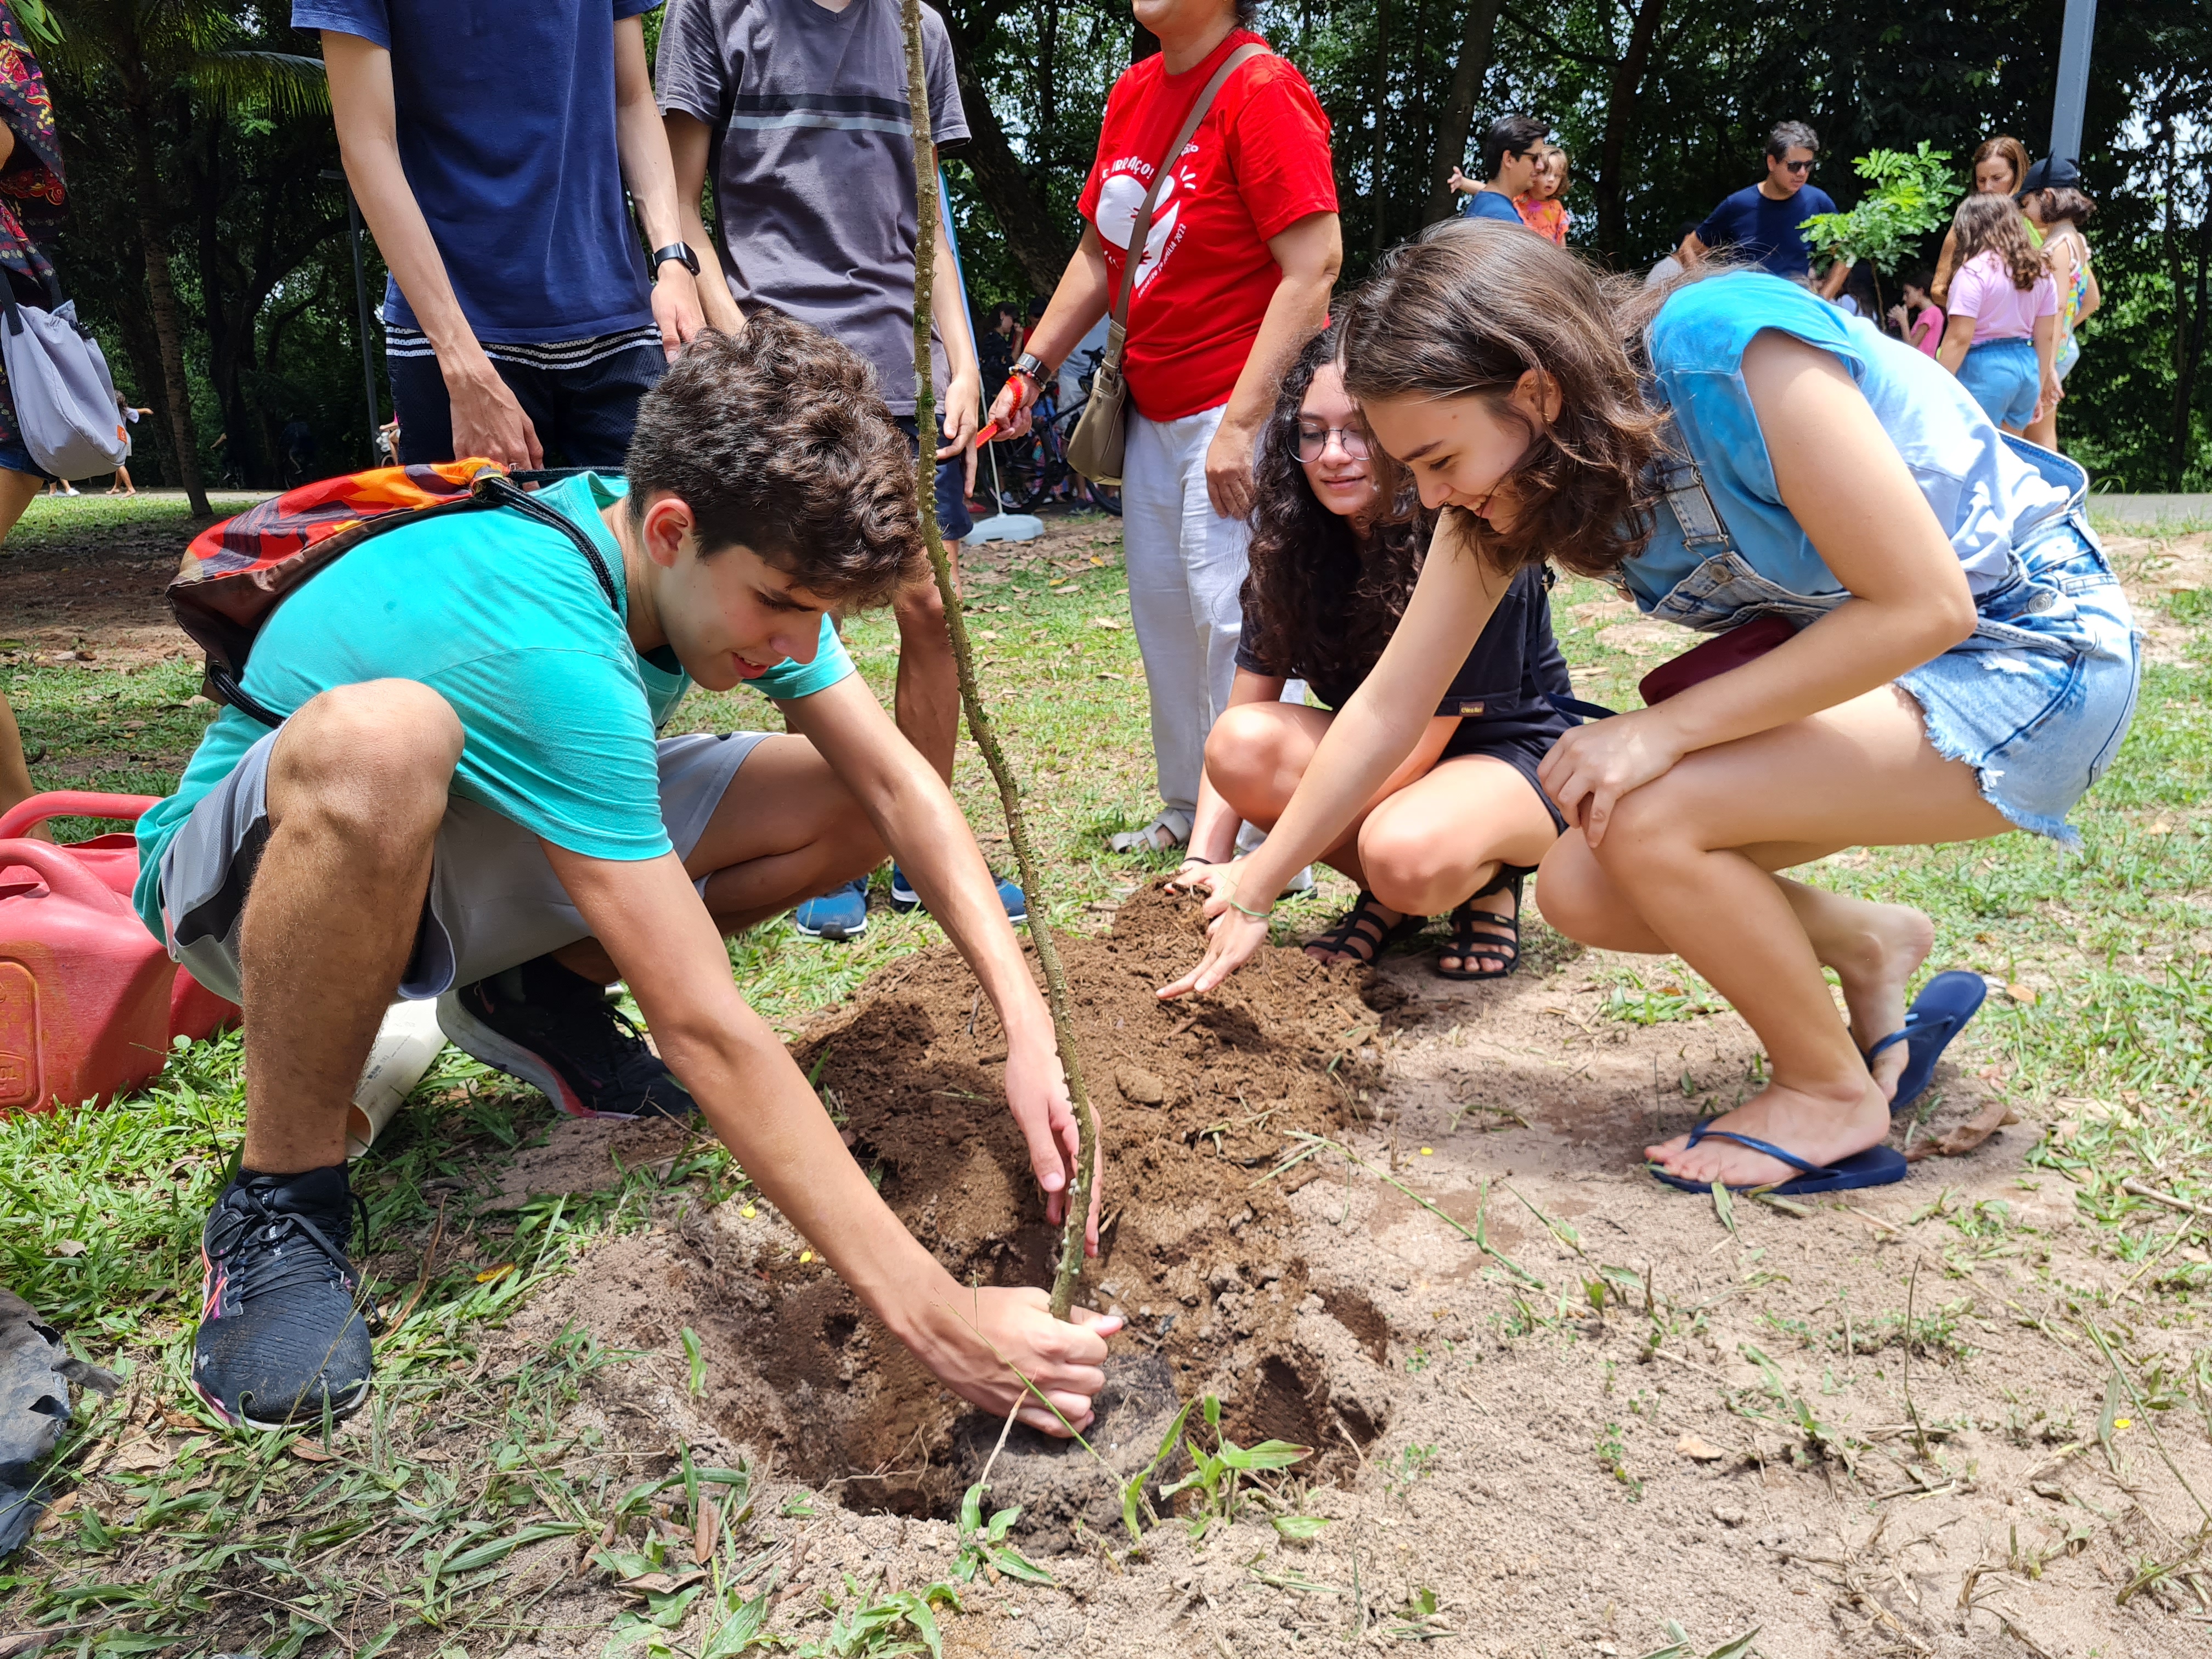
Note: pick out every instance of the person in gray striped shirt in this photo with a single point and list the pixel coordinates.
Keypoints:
(800, 109)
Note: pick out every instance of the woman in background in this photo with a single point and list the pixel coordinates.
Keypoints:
(2000, 169)
(2057, 206)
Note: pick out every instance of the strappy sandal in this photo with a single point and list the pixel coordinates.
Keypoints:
(1360, 928)
(1503, 946)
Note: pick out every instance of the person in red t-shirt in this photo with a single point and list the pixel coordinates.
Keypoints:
(1234, 280)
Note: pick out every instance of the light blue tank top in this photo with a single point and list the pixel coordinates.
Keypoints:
(1989, 498)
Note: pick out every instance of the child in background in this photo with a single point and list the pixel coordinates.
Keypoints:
(2002, 331)
(1919, 320)
(2057, 208)
(1540, 206)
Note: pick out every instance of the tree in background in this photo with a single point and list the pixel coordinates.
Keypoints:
(152, 61)
(1911, 197)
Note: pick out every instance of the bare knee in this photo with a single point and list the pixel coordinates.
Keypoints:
(1410, 865)
(373, 759)
(1578, 897)
(1248, 761)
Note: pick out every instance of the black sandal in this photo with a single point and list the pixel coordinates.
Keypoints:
(1503, 946)
(1359, 928)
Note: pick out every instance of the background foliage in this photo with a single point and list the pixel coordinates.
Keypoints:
(1662, 103)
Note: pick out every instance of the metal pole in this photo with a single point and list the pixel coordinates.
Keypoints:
(2073, 93)
(361, 301)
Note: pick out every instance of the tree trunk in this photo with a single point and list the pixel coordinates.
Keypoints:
(1619, 118)
(1048, 78)
(1378, 187)
(162, 301)
(1039, 244)
(1459, 109)
(2188, 348)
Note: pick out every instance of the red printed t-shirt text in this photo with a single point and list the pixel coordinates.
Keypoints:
(1257, 165)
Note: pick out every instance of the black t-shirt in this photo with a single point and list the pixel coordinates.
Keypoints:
(1501, 692)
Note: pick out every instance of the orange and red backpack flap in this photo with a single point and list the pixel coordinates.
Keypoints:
(236, 572)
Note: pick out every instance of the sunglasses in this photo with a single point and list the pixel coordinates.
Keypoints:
(1797, 166)
(1313, 445)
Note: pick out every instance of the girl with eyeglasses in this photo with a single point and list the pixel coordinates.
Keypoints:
(1462, 820)
(1950, 656)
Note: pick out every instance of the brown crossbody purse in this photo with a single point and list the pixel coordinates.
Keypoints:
(1094, 448)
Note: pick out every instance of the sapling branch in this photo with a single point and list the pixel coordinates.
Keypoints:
(980, 725)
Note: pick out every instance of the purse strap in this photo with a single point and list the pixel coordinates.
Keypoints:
(1143, 225)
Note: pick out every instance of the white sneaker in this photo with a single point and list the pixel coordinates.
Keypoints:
(1163, 834)
(1301, 883)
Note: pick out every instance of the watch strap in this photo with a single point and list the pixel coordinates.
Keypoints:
(677, 250)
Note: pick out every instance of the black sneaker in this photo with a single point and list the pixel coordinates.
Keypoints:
(280, 1336)
(559, 1031)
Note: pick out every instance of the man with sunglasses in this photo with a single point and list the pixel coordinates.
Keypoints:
(1512, 153)
(1763, 222)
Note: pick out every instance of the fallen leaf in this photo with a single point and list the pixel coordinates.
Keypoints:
(308, 1452)
(2021, 993)
(660, 1584)
(68, 1246)
(1698, 1451)
(986, 634)
(1107, 622)
(57, 1511)
(1964, 1138)
(490, 1274)
(176, 1419)
(139, 1458)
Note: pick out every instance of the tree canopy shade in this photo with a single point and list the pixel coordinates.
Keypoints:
(193, 143)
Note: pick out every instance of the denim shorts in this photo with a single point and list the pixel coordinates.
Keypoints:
(2002, 376)
(2039, 699)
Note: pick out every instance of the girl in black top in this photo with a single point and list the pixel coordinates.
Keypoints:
(1463, 819)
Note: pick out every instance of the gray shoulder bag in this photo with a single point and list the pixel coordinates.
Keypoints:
(65, 404)
(1094, 448)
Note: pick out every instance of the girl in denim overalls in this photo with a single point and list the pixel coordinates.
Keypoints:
(1966, 665)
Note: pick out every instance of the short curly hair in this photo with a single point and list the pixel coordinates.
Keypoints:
(778, 441)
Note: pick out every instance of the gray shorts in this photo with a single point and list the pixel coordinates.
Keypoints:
(494, 899)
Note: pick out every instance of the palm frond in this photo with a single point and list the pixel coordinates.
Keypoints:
(287, 82)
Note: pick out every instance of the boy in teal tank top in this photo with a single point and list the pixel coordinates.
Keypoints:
(467, 800)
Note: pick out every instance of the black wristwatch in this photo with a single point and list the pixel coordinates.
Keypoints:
(1029, 364)
(682, 251)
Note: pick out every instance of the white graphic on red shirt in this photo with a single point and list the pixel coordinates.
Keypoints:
(1120, 197)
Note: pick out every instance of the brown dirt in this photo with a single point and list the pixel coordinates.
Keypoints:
(1343, 1311)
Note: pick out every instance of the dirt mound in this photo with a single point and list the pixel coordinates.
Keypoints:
(1198, 1099)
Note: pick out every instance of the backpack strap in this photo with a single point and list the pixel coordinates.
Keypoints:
(491, 489)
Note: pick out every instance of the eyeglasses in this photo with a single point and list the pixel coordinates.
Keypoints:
(1313, 445)
(1797, 166)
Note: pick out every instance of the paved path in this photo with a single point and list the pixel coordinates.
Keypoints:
(2151, 509)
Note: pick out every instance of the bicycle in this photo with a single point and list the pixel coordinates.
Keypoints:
(1033, 468)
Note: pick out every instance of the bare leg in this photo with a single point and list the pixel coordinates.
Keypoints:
(1442, 838)
(1684, 877)
(17, 491)
(357, 785)
(785, 830)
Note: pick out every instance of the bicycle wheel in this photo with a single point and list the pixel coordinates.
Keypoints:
(1105, 497)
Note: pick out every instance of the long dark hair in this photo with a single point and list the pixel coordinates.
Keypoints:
(1322, 599)
(1468, 309)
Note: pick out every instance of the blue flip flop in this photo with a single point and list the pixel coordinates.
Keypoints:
(1939, 1013)
(1877, 1166)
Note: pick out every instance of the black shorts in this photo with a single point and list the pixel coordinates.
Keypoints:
(581, 396)
(1524, 753)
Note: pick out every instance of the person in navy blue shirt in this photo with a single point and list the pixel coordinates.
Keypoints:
(1761, 222)
(1512, 151)
(489, 146)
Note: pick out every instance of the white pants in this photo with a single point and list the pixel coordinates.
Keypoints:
(1186, 566)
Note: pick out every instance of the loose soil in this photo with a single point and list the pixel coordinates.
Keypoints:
(1497, 1435)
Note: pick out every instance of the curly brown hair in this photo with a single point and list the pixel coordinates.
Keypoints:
(778, 441)
(1993, 224)
(1467, 310)
(1322, 597)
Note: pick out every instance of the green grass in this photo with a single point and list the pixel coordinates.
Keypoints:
(238, 1542)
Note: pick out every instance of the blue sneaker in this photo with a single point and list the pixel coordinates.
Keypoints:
(904, 898)
(839, 913)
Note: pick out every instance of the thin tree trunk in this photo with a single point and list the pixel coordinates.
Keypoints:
(1048, 78)
(161, 298)
(1452, 132)
(2188, 352)
(1033, 231)
(1619, 119)
(1378, 188)
(980, 725)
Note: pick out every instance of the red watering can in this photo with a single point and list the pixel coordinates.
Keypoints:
(89, 999)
